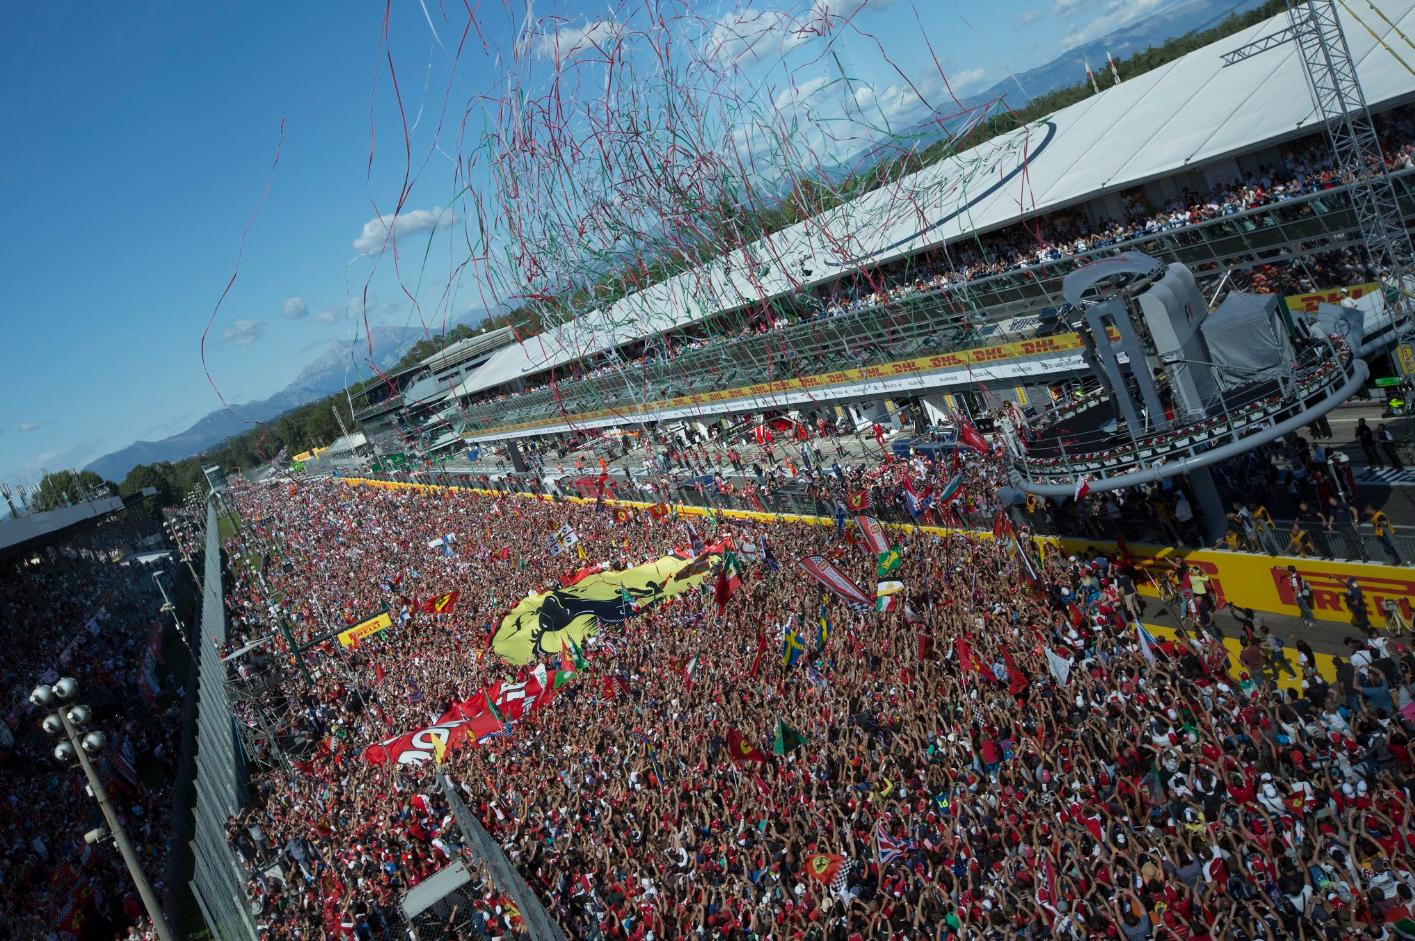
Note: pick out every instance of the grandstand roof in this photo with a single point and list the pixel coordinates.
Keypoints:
(1190, 112)
(467, 348)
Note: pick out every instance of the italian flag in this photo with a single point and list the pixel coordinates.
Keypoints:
(887, 595)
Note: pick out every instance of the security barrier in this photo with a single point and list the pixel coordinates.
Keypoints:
(1249, 580)
(218, 881)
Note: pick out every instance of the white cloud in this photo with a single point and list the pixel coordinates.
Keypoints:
(747, 36)
(568, 40)
(74, 456)
(243, 332)
(294, 308)
(826, 15)
(967, 79)
(1067, 7)
(327, 315)
(376, 231)
(800, 94)
(1117, 13)
(27, 426)
(1028, 18)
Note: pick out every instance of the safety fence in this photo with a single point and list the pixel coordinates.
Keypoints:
(1248, 579)
(218, 880)
(1354, 543)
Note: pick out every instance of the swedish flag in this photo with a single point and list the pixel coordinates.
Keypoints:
(824, 620)
(791, 647)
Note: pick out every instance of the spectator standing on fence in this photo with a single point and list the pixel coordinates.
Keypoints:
(1384, 530)
(1267, 532)
(1343, 519)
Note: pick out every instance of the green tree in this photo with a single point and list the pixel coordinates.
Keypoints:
(65, 488)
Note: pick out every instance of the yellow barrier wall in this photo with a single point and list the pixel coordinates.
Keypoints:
(1245, 579)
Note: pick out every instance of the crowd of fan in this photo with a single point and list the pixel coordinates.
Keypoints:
(998, 757)
(76, 609)
(1303, 169)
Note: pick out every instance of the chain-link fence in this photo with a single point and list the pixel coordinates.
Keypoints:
(1355, 543)
(217, 878)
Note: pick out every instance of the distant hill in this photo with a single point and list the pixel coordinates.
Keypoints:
(332, 370)
(1067, 68)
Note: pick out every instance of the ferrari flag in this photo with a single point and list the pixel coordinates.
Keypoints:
(541, 623)
(441, 604)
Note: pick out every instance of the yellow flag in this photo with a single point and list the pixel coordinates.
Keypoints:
(439, 749)
(580, 549)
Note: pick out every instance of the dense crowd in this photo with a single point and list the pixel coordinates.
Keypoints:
(76, 608)
(1303, 168)
(999, 756)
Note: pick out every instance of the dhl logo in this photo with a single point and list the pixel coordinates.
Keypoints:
(1307, 303)
(1329, 591)
(960, 358)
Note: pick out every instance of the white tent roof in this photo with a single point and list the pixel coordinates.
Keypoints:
(1187, 113)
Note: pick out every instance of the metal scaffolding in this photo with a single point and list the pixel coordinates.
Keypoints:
(1341, 104)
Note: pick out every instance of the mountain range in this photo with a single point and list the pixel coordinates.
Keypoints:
(1068, 68)
(332, 370)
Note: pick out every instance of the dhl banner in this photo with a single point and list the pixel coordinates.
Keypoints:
(541, 623)
(1307, 303)
(365, 629)
(1245, 579)
(973, 356)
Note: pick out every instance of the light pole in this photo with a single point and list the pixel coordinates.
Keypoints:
(69, 720)
(167, 605)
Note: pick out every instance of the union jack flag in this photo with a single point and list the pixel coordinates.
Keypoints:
(887, 848)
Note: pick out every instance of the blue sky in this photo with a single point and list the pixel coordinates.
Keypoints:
(139, 142)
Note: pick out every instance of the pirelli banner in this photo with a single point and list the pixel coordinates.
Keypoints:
(541, 624)
(352, 636)
(1261, 581)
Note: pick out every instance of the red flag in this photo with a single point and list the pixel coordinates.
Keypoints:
(761, 651)
(857, 501)
(726, 585)
(970, 437)
(1001, 525)
(441, 604)
(503, 554)
(741, 751)
(966, 662)
(378, 673)
(1016, 679)
(1083, 487)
